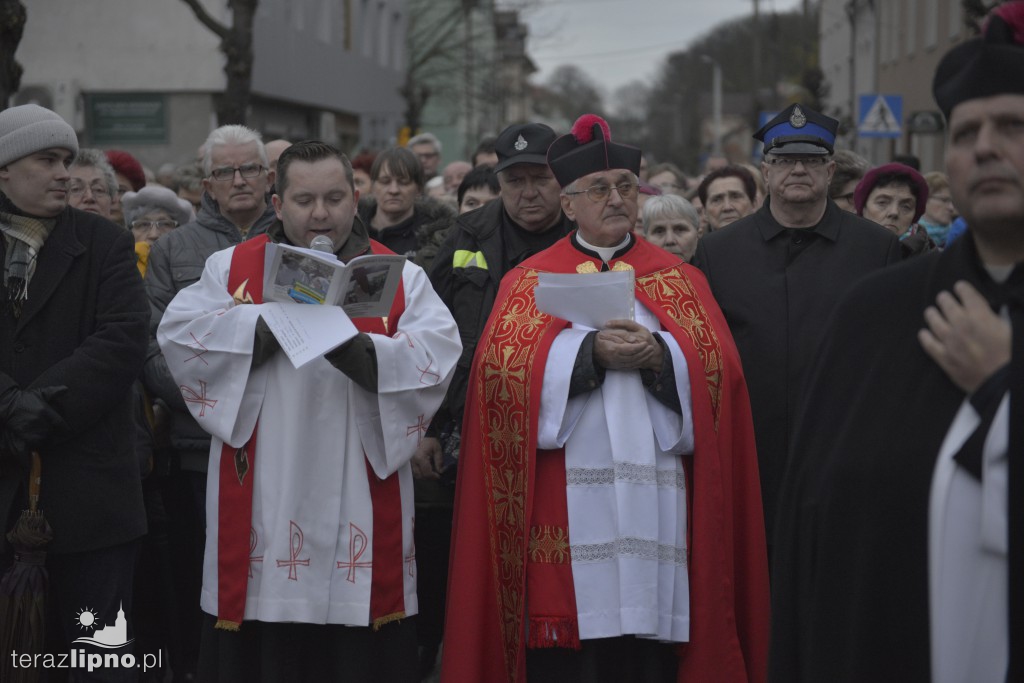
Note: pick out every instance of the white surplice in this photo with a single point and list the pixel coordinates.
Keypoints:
(312, 528)
(626, 492)
(967, 555)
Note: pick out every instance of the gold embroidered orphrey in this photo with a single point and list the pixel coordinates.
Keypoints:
(507, 363)
(549, 544)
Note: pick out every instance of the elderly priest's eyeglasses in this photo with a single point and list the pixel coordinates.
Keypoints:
(600, 193)
(228, 173)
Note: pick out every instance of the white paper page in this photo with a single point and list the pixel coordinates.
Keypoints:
(307, 332)
(590, 299)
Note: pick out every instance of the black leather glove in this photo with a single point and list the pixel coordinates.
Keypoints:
(28, 419)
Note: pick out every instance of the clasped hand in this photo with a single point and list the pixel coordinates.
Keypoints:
(626, 345)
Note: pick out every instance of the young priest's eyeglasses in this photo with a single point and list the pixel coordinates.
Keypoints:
(600, 193)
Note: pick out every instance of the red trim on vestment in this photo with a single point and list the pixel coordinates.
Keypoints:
(729, 601)
(387, 591)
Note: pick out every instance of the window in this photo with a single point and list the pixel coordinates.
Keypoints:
(384, 35)
(911, 23)
(931, 26)
(323, 24)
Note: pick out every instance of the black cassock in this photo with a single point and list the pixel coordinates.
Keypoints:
(850, 566)
(777, 288)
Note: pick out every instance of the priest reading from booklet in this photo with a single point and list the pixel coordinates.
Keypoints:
(608, 523)
(310, 568)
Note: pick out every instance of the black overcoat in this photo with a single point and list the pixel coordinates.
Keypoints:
(84, 326)
(850, 566)
(777, 288)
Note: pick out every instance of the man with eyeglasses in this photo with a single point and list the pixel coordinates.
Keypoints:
(608, 518)
(235, 207)
(480, 247)
(779, 273)
(427, 149)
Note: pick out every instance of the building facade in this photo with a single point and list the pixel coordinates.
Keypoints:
(889, 47)
(144, 75)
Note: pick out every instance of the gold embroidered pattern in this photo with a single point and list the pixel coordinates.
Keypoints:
(589, 267)
(549, 544)
(672, 290)
(511, 344)
(241, 296)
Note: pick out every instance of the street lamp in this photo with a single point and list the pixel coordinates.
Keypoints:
(716, 103)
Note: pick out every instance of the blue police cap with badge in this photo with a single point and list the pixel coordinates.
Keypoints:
(799, 130)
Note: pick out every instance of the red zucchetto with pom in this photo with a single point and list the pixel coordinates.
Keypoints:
(991, 64)
(589, 149)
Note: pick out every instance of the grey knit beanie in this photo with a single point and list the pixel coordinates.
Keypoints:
(31, 128)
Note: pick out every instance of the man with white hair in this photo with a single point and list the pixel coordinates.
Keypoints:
(608, 524)
(235, 207)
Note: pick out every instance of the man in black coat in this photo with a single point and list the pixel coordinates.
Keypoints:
(73, 319)
(778, 274)
(899, 551)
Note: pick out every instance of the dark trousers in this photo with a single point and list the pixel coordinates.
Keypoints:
(263, 652)
(97, 581)
(604, 660)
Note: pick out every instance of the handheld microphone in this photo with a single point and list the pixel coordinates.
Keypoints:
(322, 243)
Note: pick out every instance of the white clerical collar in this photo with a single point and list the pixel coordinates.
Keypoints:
(998, 273)
(604, 252)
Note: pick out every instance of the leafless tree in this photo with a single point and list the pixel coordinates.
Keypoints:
(236, 44)
(12, 25)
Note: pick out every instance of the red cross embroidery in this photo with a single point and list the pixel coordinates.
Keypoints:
(408, 339)
(253, 540)
(295, 547)
(198, 348)
(357, 544)
(419, 429)
(427, 371)
(192, 396)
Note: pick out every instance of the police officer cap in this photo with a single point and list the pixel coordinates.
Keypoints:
(523, 143)
(798, 130)
(991, 64)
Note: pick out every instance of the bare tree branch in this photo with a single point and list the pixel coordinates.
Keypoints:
(207, 20)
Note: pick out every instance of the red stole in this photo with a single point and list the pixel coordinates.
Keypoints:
(234, 501)
(504, 503)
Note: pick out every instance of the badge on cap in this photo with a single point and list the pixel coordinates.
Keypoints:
(797, 119)
(520, 143)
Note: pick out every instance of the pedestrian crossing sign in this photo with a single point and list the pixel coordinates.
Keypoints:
(881, 116)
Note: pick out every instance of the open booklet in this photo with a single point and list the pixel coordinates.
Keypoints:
(364, 287)
(586, 299)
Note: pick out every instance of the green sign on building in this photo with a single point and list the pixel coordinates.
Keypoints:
(122, 118)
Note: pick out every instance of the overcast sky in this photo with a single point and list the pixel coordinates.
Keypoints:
(618, 41)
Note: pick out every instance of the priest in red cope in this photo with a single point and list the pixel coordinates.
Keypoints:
(608, 520)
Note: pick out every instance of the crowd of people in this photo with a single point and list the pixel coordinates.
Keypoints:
(795, 458)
